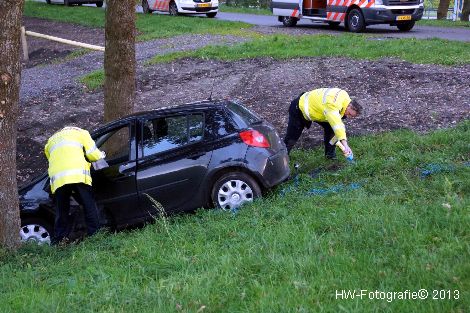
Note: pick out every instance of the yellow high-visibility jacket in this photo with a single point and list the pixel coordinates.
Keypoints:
(66, 151)
(326, 105)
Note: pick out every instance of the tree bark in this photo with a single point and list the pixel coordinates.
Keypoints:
(119, 59)
(442, 9)
(465, 11)
(11, 12)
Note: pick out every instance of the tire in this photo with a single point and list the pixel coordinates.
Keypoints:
(211, 15)
(289, 21)
(67, 3)
(406, 27)
(146, 7)
(232, 190)
(173, 8)
(355, 21)
(99, 4)
(334, 25)
(36, 229)
(48, 1)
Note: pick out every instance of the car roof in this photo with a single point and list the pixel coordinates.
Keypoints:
(187, 107)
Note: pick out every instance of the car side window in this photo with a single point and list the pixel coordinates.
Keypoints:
(116, 145)
(166, 133)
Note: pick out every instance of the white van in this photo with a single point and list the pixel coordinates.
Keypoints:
(177, 7)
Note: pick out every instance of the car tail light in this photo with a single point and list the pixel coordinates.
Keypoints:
(254, 138)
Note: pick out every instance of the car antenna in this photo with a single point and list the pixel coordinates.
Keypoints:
(212, 89)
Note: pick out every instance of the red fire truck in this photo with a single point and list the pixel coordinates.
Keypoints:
(356, 14)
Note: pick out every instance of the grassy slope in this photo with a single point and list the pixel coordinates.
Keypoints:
(150, 26)
(283, 253)
(435, 51)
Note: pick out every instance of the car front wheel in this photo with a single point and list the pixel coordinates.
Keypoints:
(232, 190)
(289, 21)
(35, 229)
(173, 9)
(355, 21)
(406, 27)
(146, 7)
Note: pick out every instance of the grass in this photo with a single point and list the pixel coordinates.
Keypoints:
(149, 26)
(93, 80)
(444, 23)
(284, 253)
(239, 9)
(433, 51)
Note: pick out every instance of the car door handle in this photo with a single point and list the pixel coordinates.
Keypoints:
(127, 169)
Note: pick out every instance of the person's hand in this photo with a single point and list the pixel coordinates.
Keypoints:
(347, 150)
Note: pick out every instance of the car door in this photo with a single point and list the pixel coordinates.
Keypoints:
(158, 5)
(173, 161)
(115, 186)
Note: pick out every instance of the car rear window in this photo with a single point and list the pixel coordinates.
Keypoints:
(243, 114)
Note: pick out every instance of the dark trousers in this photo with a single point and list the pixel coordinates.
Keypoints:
(296, 125)
(63, 222)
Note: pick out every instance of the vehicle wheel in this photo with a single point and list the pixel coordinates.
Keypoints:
(99, 4)
(289, 21)
(232, 190)
(67, 3)
(211, 15)
(48, 1)
(355, 21)
(35, 229)
(173, 9)
(146, 7)
(334, 25)
(406, 27)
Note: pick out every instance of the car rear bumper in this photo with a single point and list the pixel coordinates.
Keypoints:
(273, 169)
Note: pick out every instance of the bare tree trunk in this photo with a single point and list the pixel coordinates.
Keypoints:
(465, 11)
(11, 12)
(119, 59)
(442, 9)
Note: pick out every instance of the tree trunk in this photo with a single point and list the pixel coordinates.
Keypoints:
(11, 12)
(465, 11)
(442, 9)
(119, 59)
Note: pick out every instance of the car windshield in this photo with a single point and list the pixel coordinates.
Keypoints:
(243, 113)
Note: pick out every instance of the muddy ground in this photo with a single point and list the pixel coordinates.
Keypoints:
(395, 95)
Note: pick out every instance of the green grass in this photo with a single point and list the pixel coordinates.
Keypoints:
(444, 23)
(284, 253)
(434, 51)
(93, 80)
(239, 9)
(149, 26)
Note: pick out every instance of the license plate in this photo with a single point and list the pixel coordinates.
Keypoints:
(404, 18)
(204, 5)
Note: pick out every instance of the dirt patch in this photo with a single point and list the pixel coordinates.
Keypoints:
(395, 95)
(42, 51)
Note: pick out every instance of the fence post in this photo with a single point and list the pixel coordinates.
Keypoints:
(24, 43)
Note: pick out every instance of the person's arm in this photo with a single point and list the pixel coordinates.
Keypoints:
(46, 150)
(333, 117)
(92, 152)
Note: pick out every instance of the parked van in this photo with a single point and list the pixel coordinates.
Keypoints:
(356, 14)
(177, 7)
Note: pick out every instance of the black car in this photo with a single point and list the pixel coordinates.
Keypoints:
(204, 154)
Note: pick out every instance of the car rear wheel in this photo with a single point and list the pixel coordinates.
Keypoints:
(355, 21)
(289, 21)
(146, 7)
(232, 190)
(173, 8)
(67, 3)
(99, 4)
(35, 229)
(406, 27)
(211, 15)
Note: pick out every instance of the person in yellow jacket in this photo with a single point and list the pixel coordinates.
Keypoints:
(327, 107)
(69, 152)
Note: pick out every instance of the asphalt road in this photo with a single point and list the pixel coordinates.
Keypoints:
(450, 33)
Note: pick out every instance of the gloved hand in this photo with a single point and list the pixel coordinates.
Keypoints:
(347, 150)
